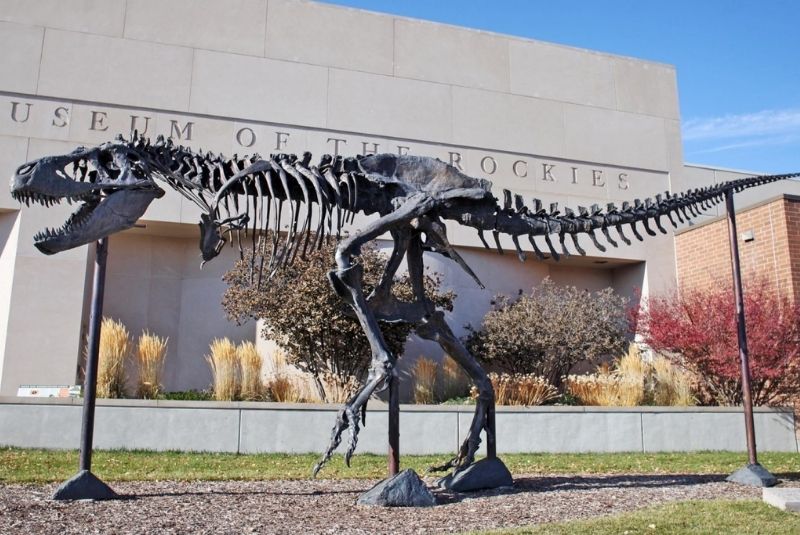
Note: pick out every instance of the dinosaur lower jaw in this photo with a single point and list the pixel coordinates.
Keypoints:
(97, 217)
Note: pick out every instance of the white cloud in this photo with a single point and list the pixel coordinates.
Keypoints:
(768, 123)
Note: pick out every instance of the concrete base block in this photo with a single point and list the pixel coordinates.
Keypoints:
(753, 475)
(84, 486)
(405, 489)
(782, 498)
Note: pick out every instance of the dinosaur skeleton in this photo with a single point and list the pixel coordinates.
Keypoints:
(411, 195)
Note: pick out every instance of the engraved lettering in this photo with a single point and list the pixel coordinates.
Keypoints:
(492, 165)
(177, 132)
(61, 114)
(455, 160)
(365, 151)
(597, 178)
(98, 121)
(574, 175)
(14, 112)
(623, 181)
(281, 139)
(547, 172)
(135, 127)
(246, 137)
(515, 168)
(402, 150)
(336, 142)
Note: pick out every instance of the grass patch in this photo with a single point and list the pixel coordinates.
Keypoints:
(686, 518)
(44, 466)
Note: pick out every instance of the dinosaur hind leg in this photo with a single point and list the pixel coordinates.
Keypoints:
(346, 280)
(435, 328)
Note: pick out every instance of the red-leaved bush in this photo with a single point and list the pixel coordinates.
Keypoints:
(697, 329)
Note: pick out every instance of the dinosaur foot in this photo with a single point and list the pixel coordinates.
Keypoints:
(488, 473)
(348, 416)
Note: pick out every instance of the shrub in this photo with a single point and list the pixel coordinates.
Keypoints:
(519, 389)
(697, 330)
(151, 351)
(115, 342)
(225, 369)
(250, 361)
(550, 330)
(425, 371)
(303, 315)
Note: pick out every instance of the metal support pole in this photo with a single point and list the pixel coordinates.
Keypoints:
(93, 353)
(491, 432)
(394, 426)
(85, 485)
(754, 473)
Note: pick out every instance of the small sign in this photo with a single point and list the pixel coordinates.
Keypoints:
(49, 391)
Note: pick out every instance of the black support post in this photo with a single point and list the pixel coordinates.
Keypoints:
(753, 473)
(394, 426)
(85, 485)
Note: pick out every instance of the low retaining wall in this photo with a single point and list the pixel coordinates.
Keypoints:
(245, 427)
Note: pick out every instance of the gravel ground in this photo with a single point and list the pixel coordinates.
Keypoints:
(300, 507)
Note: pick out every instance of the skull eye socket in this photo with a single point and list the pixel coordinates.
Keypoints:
(25, 168)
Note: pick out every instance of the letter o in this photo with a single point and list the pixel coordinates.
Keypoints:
(252, 137)
(493, 163)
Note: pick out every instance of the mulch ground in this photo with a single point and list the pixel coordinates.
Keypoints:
(328, 506)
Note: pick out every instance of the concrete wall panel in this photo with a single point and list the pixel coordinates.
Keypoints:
(450, 55)
(19, 71)
(389, 106)
(320, 34)
(259, 88)
(647, 88)
(103, 17)
(119, 71)
(561, 73)
(514, 123)
(236, 26)
(164, 429)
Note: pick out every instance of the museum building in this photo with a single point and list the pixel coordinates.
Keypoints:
(546, 121)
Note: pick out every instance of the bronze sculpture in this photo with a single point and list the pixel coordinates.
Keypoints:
(410, 195)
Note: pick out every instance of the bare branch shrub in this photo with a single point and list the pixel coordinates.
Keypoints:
(550, 330)
(308, 320)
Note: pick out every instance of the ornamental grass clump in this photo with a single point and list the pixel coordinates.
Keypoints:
(151, 351)
(225, 369)
(425, 371)
(455, 383)
(115, 342)
(281, 386)
(250, 363)
(671, 384)
(519, 389)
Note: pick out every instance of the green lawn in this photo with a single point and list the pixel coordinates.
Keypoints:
(685, 518)
(43, 466)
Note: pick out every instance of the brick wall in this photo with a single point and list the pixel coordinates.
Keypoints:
(703, 253)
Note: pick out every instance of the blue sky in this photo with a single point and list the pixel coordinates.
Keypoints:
(738, 61)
